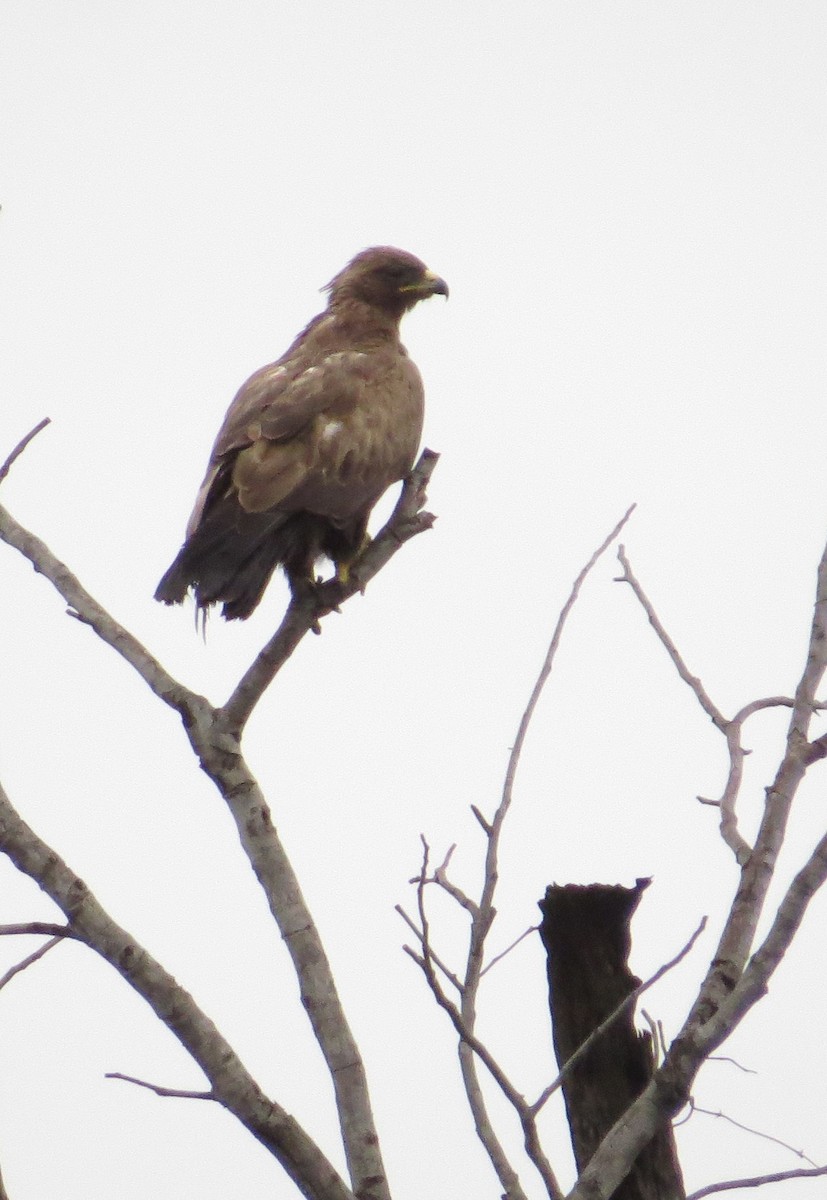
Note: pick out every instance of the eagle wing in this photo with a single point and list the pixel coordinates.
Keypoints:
(258, 448)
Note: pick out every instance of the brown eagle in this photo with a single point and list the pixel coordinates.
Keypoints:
(309, 444)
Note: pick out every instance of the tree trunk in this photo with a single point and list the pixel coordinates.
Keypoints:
(585, 930)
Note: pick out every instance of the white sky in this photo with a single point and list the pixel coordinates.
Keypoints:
(628, 202)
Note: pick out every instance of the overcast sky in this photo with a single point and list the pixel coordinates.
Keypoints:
(628, 202)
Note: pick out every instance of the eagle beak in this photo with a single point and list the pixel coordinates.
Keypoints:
(429, 284)
(434, 285)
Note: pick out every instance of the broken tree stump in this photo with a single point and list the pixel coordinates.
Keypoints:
(587, 937)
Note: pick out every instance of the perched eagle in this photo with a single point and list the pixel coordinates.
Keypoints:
(309, 444)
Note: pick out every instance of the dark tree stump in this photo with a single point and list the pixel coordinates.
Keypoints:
(585, 930)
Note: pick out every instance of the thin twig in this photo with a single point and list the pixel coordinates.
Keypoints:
(446, 971)
(734, 1061)
(486, 825)
(766, 1137)
(27, 962)
(730, 1185)
(584, 1048)
(46, 928)
(191, 706)
(499, 957)
(505, 1172)
(178, 1093)
(692, 681)
(21, 446)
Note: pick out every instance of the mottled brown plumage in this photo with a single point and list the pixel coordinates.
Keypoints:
(309, 444)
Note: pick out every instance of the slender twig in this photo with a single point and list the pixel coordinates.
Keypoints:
(435, 959)
(734, 1062)
(754, 1181)
(499, 1160)
(692, 681)
(27, 962)
(21, 446)
(440, 878)
(584, 1048)
(503, 953)
(178, 1093)
(486, 825)
(766, 1137)
(481, 924)
(88, 610)
(46, 928)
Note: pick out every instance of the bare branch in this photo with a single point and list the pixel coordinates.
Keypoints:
(631, 999)
(304, 614)
(27, 962)
(468, 1041)
(161, 1091)
(214, 736)
(692, 681)
(91, 613)
(21, 446)
(545, 670)
(220, 756)
(482, 921)
(754, 1181)
(730, 990)
(231, 1083)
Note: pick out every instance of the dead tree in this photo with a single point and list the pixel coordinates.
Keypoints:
(738, 974)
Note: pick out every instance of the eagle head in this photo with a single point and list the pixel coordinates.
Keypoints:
(386, 278)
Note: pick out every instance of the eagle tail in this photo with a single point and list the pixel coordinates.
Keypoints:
(229, 560)
(231, 556)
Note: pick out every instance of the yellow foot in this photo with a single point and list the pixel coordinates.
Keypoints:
(344, 568)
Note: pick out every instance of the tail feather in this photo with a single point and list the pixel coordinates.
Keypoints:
(229, 559)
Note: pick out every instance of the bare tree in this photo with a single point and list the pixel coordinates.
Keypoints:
(737, 977)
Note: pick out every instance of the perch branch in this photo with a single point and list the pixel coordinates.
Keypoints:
(215, 738)
(303, 614)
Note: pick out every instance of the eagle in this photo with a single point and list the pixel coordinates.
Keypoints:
(309, 444)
